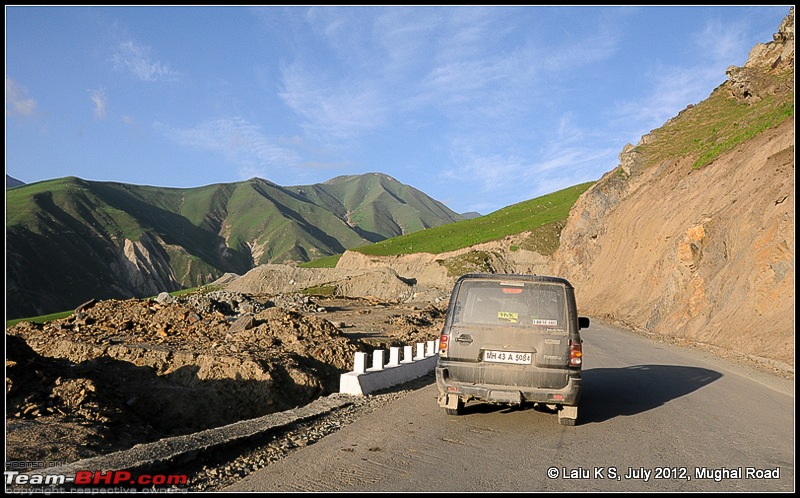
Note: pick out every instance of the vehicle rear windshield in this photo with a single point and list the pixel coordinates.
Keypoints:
(513, 303)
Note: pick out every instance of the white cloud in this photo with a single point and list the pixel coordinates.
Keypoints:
(397, 62)
(99, 100)
(17, 101)
(403, 39)
(341, 110)
(239, 141)
(134, 58)
(489, 171)
(524, 169)
(672, 89)
(722, 45)
(576, 54)
(461, 78)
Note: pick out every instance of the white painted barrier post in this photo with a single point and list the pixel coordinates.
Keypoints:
(360, 363)
(394, 357)
(377, 360)
(408, 355)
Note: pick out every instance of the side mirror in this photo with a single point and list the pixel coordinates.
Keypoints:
(583, 322)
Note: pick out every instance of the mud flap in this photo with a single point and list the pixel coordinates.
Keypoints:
(448, 401)
(568, 412)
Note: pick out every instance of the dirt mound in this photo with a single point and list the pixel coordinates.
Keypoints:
(378, 283)
(166, 368)
(119, 373)
(433, 275)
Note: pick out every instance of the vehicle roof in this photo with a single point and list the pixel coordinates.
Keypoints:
(526, 277)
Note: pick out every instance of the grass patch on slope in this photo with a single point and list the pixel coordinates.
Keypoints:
(717, 125)
(540, 215)
(39, 319)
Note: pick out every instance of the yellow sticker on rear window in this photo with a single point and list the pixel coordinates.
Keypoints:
(508, 316)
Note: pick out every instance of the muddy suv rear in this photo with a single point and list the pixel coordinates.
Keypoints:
(511, 339)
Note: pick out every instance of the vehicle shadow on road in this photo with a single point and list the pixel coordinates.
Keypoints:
(614, 392)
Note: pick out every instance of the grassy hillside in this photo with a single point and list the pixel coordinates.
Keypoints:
(70, 240)
(544, 214)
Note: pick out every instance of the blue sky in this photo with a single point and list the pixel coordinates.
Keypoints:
(478, 107)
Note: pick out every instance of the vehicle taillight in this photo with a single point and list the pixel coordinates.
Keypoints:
(443, 345)
(575, 354)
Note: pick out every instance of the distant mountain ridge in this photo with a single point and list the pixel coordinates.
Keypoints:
(69, 240)
(13, 182)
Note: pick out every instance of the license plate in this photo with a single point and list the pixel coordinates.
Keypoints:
(507, 357)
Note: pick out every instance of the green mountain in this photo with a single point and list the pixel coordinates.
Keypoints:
(70, 240)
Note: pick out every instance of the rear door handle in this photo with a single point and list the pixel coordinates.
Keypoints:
(464, 338)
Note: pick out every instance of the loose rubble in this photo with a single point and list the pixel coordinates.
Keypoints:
(119, 373)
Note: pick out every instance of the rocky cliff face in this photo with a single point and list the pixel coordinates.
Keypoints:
(143, 267)
(705, 254)
(748, 83)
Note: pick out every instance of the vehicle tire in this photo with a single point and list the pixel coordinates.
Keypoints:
(458, 410)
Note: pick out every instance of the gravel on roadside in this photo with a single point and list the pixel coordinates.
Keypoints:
(217, 470)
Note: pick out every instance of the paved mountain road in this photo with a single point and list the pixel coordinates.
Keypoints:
(653, 417)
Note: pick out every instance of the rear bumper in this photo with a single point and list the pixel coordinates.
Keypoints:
(569, 395)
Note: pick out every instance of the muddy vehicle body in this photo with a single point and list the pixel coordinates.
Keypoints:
(512, 339)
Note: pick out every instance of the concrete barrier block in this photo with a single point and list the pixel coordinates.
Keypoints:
(349, 383)
(363, 381)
